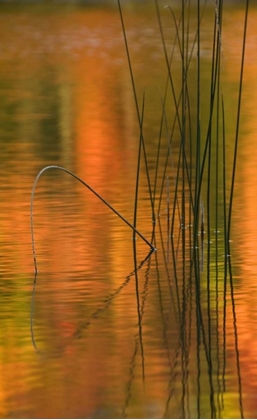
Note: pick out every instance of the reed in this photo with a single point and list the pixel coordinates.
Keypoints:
(195, 191)
(56, 167)
(192, 179)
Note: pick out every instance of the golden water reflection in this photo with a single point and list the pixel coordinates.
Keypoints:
(109, 340)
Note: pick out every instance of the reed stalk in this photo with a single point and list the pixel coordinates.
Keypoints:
(152, 248)
(194, 179)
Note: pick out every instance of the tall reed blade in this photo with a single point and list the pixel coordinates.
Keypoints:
(137, 109)
(238, 120)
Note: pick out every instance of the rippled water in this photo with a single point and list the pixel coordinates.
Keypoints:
(102, 331)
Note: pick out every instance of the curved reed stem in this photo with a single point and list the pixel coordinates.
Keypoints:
(152, 248)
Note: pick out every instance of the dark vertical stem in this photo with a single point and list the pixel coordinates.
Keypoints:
(196, 212)
(236, 340)
(139, 315)
(225, 246)
(231, 201)
(168, 218)
(183, 221)
(137, 109)
(237, 122)
(217, 247)
(138, 167)
(219, 11)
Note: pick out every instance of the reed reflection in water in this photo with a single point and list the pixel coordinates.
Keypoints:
(119, 334)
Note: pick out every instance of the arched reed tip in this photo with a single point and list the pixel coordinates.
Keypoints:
(135, 231)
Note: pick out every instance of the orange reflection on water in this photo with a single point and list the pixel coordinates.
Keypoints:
(76, 233)
(244, 224)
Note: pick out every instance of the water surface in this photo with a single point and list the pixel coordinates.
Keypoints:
(111, 333)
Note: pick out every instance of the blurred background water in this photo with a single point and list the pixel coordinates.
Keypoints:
(103, 339)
